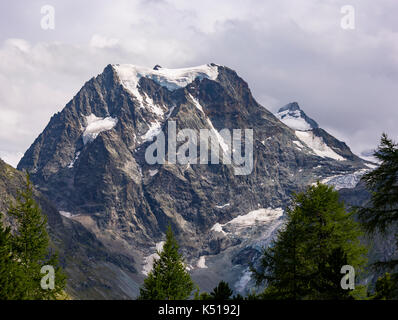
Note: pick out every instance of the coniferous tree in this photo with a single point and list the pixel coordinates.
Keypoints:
(305, 260)
(283, 265)
(202, 296)
(28, 251)
(238, 297)
(222, 291)
(328, 281)
(385, 288)
(168, 279)
(6, 265)
(382, 211)
(11, 274)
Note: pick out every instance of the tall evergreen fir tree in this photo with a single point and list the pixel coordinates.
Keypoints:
(305, 259)
(382, 211)
(28, 249)
(11, 273)
(168, 279)
(283, 263)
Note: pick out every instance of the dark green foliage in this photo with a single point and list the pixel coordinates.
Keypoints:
(222, 291)
(11, 275)
(253, 296)
(328, 281)
(383, 183)
(238, 297)
(26, 251)
(305, 260)
(168, 279)
(386, 288)
(382, 211)
(202, 296)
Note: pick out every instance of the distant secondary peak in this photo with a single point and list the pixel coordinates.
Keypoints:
(157, 67)
(293, 106)
(295, 118)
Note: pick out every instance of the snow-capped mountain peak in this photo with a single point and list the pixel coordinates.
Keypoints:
(295, 118)
(308, 131)
(172, 79)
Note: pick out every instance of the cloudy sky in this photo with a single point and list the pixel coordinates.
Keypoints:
(346, 79)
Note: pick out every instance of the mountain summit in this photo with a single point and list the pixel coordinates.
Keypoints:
(294, 117)
(312, 136)
(90, 161)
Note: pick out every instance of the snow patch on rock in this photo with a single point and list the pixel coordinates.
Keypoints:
(96, 125)
(223, 206)
(257, 217)
(371, 166)
(196, 103)
(220, 139)
(153, 172)
(152, 107)
(218, 228)
(70, 166)
(67, 214)
(149, 260)
(317, 145)
(298, 143)
(202, 262)
(153, 131)
(347, 181)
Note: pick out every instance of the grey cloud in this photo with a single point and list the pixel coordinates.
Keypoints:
(286, 51)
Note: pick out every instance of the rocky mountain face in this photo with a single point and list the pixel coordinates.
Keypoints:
(93, 271)
(91, 161)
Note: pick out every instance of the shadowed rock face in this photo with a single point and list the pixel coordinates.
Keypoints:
(111, 190)
(93, 271)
